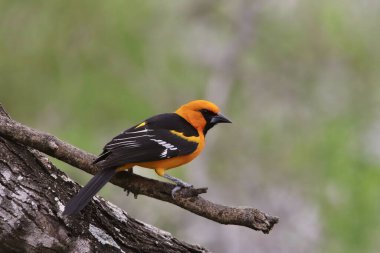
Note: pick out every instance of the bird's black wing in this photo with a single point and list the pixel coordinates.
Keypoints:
(152, 140)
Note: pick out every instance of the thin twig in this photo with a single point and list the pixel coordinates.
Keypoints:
(187, 198)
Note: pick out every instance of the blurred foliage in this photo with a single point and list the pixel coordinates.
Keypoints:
(304, 102)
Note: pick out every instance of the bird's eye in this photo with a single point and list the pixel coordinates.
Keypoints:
(206, 112)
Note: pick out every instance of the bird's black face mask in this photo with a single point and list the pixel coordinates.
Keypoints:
(212, 119)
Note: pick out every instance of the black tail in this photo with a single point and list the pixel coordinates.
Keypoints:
(79, 201)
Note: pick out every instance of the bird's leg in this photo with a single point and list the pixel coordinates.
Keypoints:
(179, 183)
(129, 171)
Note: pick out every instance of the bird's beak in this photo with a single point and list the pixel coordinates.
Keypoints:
(219, 118)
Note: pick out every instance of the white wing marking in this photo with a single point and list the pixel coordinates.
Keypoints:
(132, 144)
(164, 153)
(165, 144)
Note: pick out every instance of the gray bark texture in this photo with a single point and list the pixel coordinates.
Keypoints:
(32, 196)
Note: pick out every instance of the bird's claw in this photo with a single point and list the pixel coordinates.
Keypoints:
(175, 189)
(179, 187)
(128, 192)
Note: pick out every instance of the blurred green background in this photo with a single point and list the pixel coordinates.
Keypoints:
(299, 80)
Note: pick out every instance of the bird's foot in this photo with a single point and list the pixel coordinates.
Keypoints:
(179, 186)
(128, 192)
(130, 171)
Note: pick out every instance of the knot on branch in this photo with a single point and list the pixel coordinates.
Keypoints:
(51, 143)
(189, 192)
(263, 221)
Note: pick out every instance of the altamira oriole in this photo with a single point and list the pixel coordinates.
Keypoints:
(161, 142)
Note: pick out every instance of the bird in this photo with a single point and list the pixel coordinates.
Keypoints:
(160, 142)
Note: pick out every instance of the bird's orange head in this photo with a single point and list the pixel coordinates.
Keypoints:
(202, 114)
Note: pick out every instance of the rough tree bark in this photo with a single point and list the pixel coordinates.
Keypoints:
(32, 193)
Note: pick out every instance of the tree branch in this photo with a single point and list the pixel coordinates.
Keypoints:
(187, 198)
